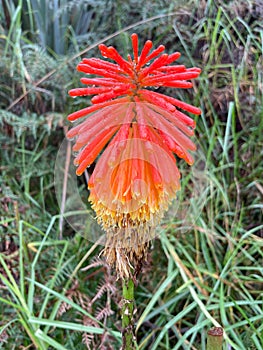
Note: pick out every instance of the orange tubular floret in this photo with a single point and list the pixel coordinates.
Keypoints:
(90, 70)
(85, 111)
(175, 148)
(97, 63)
(134, 38)
(100, 81)
(129, 59)
(194, 69)
(90, 152)
(185, 76)
(172, 69)
(153, 135)
(104, 51)
(175, 117)
(152, 55)
(172, 118)
(120, 60)
(157, 159)
(173, 57)
(120, 185)
(183, 105)
(87, 91)
(144, 131)
(168, 140)
(143, 128)
(146, 49)
(177, 84)
(90, 131)
(185, 119)
(110, 95)
(157, 100)
(114, 55)
(160, 61)
(123, 133)
(154, 177)
(97, 117)
(171, 77)
(167, 127)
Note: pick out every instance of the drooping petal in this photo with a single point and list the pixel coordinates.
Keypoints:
(157, 100)
(91, 151)
(161, 123)
(183, 105)
(86, 111)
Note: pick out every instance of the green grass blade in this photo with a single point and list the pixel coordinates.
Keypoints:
(48, 340)
(155, 297)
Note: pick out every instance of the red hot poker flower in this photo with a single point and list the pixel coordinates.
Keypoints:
(136, 177)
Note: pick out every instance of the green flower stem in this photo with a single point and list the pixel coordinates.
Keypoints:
(215, 338)
(128, 336)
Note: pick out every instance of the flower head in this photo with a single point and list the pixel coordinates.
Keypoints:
(136, 176)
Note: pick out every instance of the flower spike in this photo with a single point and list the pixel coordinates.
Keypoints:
(134, 133)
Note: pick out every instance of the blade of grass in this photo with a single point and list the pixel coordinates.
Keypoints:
(53, 280)
(169, 324)
(198, 327)
(48, 322)
(70, 325)
(230, 116)
(155, 298)
(55, 345)
(31, 288)
(192, 291)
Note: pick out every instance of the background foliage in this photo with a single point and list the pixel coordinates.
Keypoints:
(199, 275)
